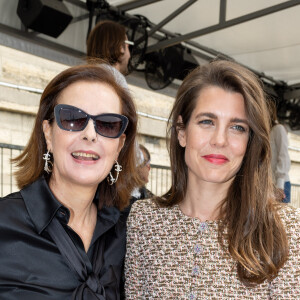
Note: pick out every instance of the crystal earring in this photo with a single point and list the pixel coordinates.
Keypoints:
(48, 164)
(118, 168)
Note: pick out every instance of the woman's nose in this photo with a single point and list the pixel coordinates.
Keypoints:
(219, 137)
(89, 133)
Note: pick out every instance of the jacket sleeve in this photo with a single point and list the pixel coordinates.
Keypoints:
(283, 160)
(134, 276)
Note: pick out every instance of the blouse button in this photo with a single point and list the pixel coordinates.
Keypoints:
(196, 270)
(198, 249)
(203, 226)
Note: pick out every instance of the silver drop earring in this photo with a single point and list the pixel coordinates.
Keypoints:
(118, 168)
(48, 164)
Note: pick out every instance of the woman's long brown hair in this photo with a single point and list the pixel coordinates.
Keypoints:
(106, 41)
(30, 163)
(250, 226)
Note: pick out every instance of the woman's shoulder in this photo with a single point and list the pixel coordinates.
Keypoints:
(278, 129)
(12, 207)
(10, 200)
(286, 284)
(290, 217)
(146, 206)
(148, 210)
(289, 213)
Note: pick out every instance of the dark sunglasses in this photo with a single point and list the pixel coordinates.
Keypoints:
(71, 118)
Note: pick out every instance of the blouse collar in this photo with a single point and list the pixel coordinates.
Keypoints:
(42, 206)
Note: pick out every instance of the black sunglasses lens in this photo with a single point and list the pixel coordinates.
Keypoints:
(109, 126)
(72, 119)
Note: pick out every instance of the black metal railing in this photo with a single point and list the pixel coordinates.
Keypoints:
(7, 152)
(295, 195)
(159, 178)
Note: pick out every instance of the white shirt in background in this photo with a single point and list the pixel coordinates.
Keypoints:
(280, 160)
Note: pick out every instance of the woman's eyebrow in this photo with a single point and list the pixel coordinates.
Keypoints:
(206, 114)
(214, 116)
(238, 120)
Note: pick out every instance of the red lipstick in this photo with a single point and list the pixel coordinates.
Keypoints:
(216, 159)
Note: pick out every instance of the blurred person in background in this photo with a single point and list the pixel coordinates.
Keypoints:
(143, 170)
(108, 41)
(280, 159)
(63, 235)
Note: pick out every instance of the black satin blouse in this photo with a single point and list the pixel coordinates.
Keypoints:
(32, 267)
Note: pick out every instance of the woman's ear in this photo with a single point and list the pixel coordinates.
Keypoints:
(122, 49)
(47, 129)
(181, 135)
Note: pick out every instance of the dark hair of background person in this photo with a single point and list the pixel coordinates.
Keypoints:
(273, 112)
(30, 162)
(105, 41)
(255, 236)
(145, 150)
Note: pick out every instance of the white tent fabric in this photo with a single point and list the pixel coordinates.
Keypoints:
(269, 44)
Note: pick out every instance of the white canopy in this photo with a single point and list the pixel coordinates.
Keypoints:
(269, 42)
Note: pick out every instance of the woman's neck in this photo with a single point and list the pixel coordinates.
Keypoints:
(203, 200)
(78, 199)
(83, 212)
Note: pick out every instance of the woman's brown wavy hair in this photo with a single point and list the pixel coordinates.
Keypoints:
(255, 236)
(30, 163)
(106, 41)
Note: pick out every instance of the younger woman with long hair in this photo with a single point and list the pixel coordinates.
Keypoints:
(219, 232)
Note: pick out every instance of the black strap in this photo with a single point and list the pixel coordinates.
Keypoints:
(91, 287)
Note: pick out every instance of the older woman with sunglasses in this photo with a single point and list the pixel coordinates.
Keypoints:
(63, 235)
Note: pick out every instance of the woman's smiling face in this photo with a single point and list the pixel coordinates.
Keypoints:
(84, 157)
(216, 136)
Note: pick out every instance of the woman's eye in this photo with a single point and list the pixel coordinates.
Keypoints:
(239, 128)
(206, 122)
